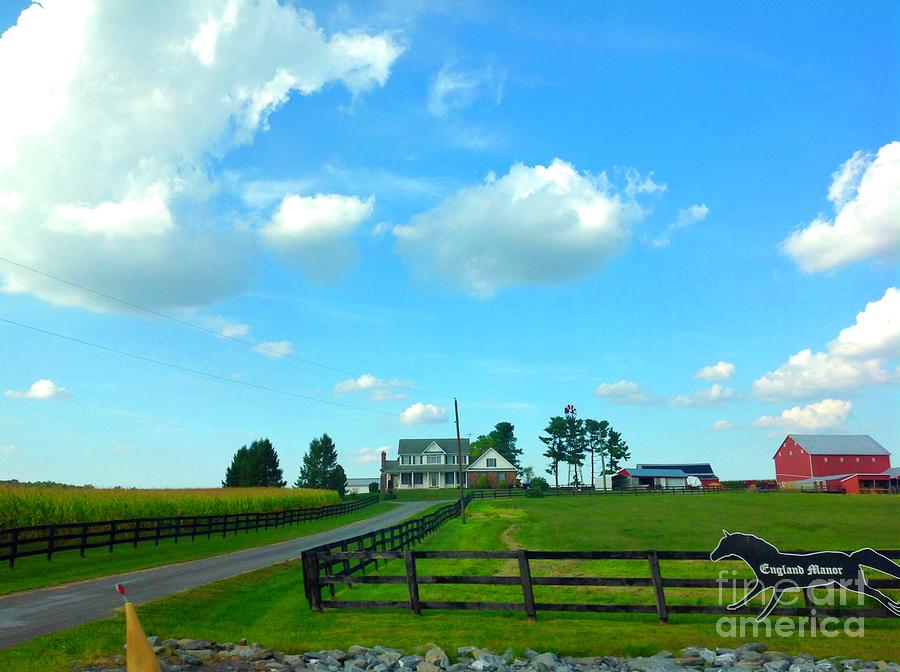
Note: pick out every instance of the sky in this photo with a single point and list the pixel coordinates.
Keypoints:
(243, 219)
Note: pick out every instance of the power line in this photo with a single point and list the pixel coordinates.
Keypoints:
(198, 372)
(200, 327)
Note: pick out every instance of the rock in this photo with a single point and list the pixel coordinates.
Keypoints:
(425, 666)
(757, 647)
(356, 650)
(692, 661)
(725, 659)
(750, 656)
(546, 660)
(480, 664)
(188, 644)
(410, 662)
(779, 665)
(436, 656)
(389, 658)
(465, 650)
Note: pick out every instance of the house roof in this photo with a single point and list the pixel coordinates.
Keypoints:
(842, 477)
(839, 444)
(502, 464)
(424, 468)
(644, 472)
(362, 482)
(418, 446)
(692, 469)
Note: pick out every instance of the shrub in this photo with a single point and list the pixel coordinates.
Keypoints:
(534, 492)
(482, 482)
(502, 485)
(538, 483)
(388, 495)
(373, 487)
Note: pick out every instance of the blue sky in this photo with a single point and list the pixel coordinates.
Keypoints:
(649, 211)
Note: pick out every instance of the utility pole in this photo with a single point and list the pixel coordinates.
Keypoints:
(459, 464)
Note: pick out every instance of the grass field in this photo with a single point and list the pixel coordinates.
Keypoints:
(24, 506)
(269, 606)
(36, 572)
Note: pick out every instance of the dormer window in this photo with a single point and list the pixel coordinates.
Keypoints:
(434, 459)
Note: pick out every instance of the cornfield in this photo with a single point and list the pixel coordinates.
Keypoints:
(25, 506)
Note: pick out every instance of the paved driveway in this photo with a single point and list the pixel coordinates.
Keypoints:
(24, 616)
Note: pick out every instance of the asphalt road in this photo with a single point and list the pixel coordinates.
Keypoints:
(27, 615)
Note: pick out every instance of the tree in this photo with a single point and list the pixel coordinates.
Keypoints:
(319, 463)
(574, 443)
(256, 466)
(480, 445)
(616, 449)
(527, 474)
(596, 434)
(337, 480)
(504, 438)
(555, 440)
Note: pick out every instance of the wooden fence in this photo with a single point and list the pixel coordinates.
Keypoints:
(507, 493)
(320, 572)
(21, 542)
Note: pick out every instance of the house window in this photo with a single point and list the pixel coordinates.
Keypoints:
(434, 459)
(450, 478)
(451, 459)
(842, 459)
(417, 479)
(465, 459)
(790, 452)
(857, 459)
(405, 479)
(492, 461)
(826, 459)
(873, 459)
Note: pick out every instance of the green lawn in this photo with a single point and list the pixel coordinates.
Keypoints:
(427, 494)
(37, 572)
(268, 606)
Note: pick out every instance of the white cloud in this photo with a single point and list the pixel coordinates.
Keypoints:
(720, 425)
(623, 392)
(226, 328)
(686, 217)
(635, 183)
(820, 415)
(808, 373)
(454, 89)
(718, 371)
(714, 394)
(876, 332)
(274, 349)
(860, 355)
(423, 414)
(382, 390)
(314, 232)
(44, 388)
(8, 450)
(865, 193)
(368, 455)
(137, 104)
(534, 225)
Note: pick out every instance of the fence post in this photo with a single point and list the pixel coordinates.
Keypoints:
(137, 532)
(346, 564)
(156, 539)
(225, 526)
(83, 539)
(412, 581)
(315, 592)
(660, 594)
(14, 548)
(51, 537)
(112, 535)
(177, 528)
(810, 604)
(527, 589)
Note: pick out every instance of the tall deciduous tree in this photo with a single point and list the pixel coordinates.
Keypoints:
(480, 445)
(596, 433)
(504, 436)
(337, 480)
(555, 440)
(255, 466)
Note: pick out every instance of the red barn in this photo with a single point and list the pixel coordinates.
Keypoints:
(849, 462)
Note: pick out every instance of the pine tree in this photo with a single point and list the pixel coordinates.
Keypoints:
(595, 439)
(574, 443)
(256, 466)
(505, 442)
(337, 480)
(616, 449)
(556, 446)
(270, 473)
(319, 463)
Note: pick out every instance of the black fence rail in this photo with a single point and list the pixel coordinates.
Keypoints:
(391, 539)
(507, 493)
(319, 572)
(21, 542)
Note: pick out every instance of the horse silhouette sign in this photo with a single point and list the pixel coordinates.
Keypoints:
(801, 571)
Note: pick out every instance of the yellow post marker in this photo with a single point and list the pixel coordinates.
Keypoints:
(139, 656)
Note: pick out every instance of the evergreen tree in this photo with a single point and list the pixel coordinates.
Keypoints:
(556, 445)
(596, 434)
(319, 464)
(505, 442)
(616, 449)
(574, 444)
(337, 480)
(256, 466)
(480, 445)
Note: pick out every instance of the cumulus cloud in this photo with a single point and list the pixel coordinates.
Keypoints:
(860, 355)
(44, 388)
(368, 455)
(381, 390)
(718, 371)
(820, 415)
(454, 88)
(226, 328)
(313, 232)
(423, 414)
(534, 225)
(720, 425)
(137, 104)
(876, 332)
(865, 194)
(7, 449)
(274, 349)
(714, 394)
(623, 392)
